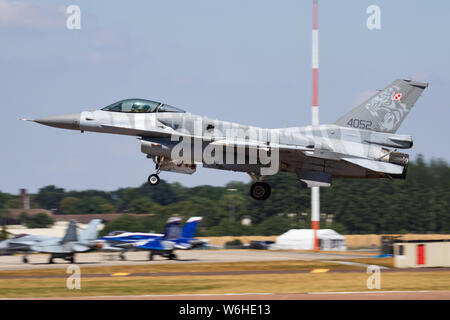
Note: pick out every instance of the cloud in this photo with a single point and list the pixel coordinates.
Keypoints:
(25, 15)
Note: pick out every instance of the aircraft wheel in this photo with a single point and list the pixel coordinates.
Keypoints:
(72, 259)
(172, 256)
(150, 256)
(122, 256)
(260, 191)
(25, 260)
(50, 261)
(153, 179)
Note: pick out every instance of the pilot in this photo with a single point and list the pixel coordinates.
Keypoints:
(135, 108)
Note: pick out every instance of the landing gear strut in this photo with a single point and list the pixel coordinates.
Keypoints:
(153, 179)
(259, 190)
(122, 256)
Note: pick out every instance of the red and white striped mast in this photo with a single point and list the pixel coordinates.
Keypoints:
(315, 191)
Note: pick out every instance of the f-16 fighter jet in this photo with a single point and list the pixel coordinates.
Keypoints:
(64, 247)
(361, 144)
(173, 238)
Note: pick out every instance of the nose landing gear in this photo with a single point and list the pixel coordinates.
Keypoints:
(154, 179)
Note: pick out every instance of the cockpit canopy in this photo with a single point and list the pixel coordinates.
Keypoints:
(140, 106)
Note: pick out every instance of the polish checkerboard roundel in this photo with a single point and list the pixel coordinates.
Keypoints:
(398, 96)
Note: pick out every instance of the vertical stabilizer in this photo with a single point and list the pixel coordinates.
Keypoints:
(172, 229)
(386, 110)
(91, 232)
(190, 227)
(71, 232)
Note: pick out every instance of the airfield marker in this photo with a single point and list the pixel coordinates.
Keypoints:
(315, 191)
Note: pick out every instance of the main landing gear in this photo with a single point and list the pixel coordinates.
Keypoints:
(259, 190)
(69, 258)
(154, 179)
(168, 255)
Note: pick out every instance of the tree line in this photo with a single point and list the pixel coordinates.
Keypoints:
(421, 203)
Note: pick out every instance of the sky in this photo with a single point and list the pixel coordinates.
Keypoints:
(241, 61)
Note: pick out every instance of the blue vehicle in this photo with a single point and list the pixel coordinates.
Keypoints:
(174, 238)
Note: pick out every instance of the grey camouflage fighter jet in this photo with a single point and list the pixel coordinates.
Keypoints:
(64, 247)
(361, 144)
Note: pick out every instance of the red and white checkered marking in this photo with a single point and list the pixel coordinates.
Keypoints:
(398, 96)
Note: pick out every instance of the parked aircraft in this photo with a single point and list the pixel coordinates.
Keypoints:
(361, 144)
(64, 247)
(173, 238)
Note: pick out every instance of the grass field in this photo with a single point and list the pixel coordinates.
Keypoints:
(215, 284)
(274, 283)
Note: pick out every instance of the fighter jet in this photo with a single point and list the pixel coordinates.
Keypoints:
(64, 248)
(361, 144)
(158, 244)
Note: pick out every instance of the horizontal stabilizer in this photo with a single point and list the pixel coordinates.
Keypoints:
(376, 166)
(314, 178)
(76, 247)
(183, 246)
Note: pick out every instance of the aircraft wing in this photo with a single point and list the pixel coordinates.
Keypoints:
(377, 166)
(50, 249)
(155, 244)
(117, 247)
(26, 243)
(258, 145)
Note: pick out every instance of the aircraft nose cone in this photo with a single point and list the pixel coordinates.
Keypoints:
(64, 121)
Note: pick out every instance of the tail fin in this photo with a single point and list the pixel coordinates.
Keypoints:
(386, 110)
(172, 229)
(91, 232)
(71, 232)
(190, 227)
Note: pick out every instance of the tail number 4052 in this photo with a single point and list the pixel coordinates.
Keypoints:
(360, 124)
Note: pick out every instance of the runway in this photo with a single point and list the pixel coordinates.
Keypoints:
(170, 276)
(40, 261)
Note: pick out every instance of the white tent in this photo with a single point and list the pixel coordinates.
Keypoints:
(303, 239)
